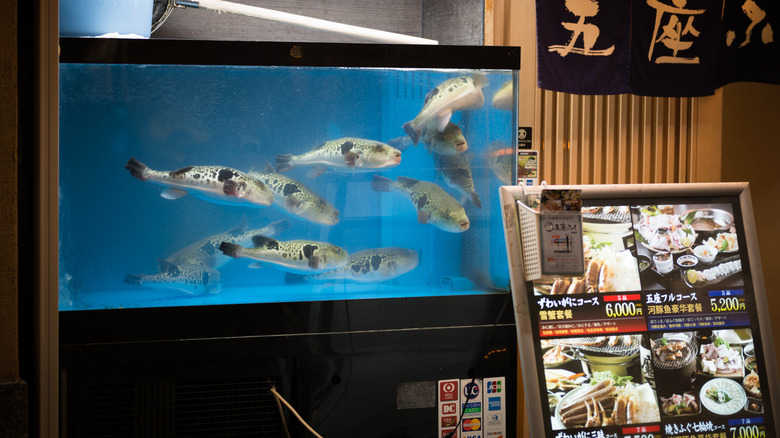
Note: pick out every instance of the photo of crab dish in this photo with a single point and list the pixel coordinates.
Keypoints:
(607, 400)
(608, 251)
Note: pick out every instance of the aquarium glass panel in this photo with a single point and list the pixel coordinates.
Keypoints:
(185, 185)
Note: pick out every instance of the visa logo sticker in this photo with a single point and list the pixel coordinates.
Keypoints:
(494, 403)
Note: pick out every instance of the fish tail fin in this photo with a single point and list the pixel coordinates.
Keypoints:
(135, 279)
(381, 184)
(230, 249)
(475, 199)
(290, 278)
(137, 168)
(240, 228)
(412, 133)
(480, 79)
(406, 181)
(400, 143)
(284, 162)
(277, 227)
(316, 171)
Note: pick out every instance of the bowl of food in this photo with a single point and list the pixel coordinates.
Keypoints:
(553, 400)
(708, 219)
(687, 261)
(557, 357)
(750, 364)
(705, 253)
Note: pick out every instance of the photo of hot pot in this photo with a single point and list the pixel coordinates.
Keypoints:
(674, 363)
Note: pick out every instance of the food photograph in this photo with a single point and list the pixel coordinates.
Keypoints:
(706, 372)
(597, 381)
(687, 246)
(608, 249)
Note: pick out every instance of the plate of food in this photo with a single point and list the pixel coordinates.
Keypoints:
(722, 396)
(607, 400)
(556, 357)
(711, 276)
(725, 243)
(659, 230)
(562, 380)
(677, 405)
(751, 384)
(719, 359)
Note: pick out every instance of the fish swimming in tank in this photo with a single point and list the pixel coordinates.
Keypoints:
(457, 94)
(295, 198)
(501, 159)
(220, 185)
(433, 204)
(296, 256)
(456, 171)
(205, 252)
(449, 141)
(189, 279)
(349, 153)
(368, 266)
(193, 269)
(503, 98)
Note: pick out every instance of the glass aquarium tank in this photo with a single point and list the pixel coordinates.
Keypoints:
(215, 173)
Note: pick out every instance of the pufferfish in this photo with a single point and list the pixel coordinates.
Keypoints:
(189, 279)
(295, 198)
(347, 153)
(456, 94)
(296, 256)
(433, 204)
(217, 184)
(368, 266)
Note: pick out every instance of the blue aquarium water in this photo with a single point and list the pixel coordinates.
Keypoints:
(115, 228)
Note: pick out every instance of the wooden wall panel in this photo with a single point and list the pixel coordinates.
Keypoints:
(618, 139)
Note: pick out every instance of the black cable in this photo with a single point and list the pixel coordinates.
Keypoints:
(451, 433)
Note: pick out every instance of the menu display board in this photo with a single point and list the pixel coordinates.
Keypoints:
(660, 336)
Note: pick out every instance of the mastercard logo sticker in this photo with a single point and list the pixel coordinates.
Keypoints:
(472, 424)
